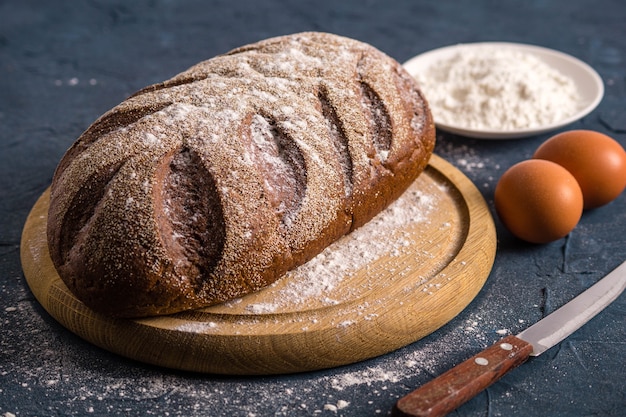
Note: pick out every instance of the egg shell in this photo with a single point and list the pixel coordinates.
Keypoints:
(597, 161)
(538, 201)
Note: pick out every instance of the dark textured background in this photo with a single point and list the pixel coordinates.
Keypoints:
(63, 63)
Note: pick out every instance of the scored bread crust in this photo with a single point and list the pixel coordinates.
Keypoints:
(216, 182)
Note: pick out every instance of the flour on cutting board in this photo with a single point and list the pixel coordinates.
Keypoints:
(385, 235)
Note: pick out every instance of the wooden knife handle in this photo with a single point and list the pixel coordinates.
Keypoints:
(461, 383)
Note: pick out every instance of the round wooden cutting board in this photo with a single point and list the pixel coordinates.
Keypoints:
(395, 280)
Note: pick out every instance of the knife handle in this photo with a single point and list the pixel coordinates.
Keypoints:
(461, 383)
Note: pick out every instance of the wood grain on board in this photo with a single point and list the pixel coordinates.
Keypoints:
(370, 293)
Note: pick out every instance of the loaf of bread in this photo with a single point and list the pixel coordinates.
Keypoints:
(216, 182)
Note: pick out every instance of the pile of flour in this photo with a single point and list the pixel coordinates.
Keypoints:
(492, 88)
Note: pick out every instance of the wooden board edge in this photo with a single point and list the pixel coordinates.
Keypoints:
(203, 348)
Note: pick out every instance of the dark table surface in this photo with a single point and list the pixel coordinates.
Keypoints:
(63, 63)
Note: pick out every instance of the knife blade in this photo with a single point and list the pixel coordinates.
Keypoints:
(461, 383)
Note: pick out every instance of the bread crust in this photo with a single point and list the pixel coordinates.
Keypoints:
(214, 183)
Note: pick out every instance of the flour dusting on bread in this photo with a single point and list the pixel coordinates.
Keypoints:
(215, 183)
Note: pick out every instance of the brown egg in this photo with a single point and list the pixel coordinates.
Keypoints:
(597, 161)
(538, 201)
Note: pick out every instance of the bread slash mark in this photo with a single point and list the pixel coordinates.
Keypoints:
(281, 166)
(380, 122)
(81, 212)
(115, 119)
(194, 229)
(338, 138)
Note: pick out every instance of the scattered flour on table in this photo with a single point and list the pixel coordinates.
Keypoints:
(466, 158)
(495, 88)
(341, 404)
(85, 382)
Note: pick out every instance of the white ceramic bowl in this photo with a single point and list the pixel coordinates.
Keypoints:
(587, 80)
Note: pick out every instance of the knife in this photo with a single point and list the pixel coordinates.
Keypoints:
(461, 383)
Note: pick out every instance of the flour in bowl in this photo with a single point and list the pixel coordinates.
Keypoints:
(492, 88)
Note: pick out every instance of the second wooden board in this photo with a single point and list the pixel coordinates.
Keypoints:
(393, 281)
